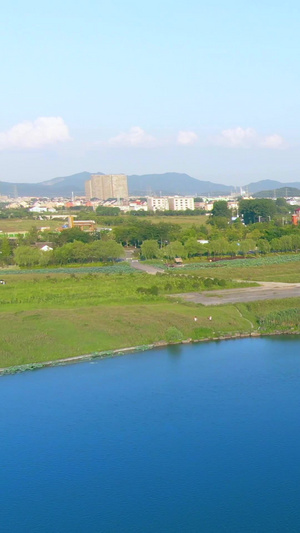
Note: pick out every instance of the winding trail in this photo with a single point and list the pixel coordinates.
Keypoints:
(244, 318)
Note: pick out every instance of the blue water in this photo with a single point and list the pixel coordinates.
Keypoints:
(199, 438)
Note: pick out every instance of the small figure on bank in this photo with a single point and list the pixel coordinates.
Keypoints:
(195, 319)
(210, 318)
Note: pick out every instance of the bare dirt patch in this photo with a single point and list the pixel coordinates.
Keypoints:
(266, 291)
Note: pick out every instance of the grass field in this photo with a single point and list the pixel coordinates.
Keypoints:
(18, 224)
(289, 273)
(185, 221)
(48, 317)
(67, 290)
(49, 334)
(284, 268)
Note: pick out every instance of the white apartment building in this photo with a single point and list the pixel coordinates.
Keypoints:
(104, 186)
(158, 204)
(181, 203)
(173, 203)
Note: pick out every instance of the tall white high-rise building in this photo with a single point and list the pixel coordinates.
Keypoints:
(104, 186)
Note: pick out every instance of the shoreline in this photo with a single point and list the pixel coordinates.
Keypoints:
(132, 349)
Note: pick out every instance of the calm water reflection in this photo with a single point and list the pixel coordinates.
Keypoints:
(190, 438)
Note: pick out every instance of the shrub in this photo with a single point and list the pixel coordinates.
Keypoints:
(153, 290)
(174, 334)
(145, 290)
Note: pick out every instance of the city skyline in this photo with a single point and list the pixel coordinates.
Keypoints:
(210, 90)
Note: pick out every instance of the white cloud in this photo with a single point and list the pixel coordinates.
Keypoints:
(135, 137)
(41, 132)
(186, 138)
(237, 137)
(247, 138)
(273, 141)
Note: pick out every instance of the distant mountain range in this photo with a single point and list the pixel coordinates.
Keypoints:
(283, 192)
(270, 185)
(147, 184)
(173, 183)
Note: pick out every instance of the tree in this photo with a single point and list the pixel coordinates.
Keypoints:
(27, 256)
(282, 207)
(257, 210)
(263, 246)
(32, 236)
(296, 242)
(254, 235)
(188, 233)
(286, 243)
(105, 250)
(79, 252)
(246, 246)
(219, 247)
(123, 234)
(220, 209)
(275, 245)
(234, 234)
(219, 222)
(193, 247)
(233, 248)
(46, 258)
(107, 210)
(63, 255)
(73, 234)
(165, 231)
(150, 249)
(174, 249)
(5, 250)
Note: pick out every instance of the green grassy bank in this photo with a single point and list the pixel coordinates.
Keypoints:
(49, 317)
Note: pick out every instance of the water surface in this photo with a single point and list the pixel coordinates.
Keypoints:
(194, 438)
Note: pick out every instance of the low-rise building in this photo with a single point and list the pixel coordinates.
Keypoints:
(181, 203)
(138, 205)
(158, 203)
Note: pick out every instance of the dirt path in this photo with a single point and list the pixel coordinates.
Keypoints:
(266, 291)
(145, 268)
(247, 320)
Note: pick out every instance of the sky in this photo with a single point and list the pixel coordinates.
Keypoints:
(206, 88)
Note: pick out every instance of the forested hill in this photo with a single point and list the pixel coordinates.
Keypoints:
(270, 185)
(283, 192)
(147, 184)
(169, 183)
(174, 183)
(63, 186)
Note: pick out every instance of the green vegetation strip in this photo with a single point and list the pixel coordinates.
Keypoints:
(111, 269)
(245, 263)
(47, 318)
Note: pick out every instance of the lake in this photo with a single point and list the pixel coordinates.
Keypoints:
(193, 438)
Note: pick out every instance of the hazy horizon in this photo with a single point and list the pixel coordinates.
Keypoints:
(216, 181)
(210, 90)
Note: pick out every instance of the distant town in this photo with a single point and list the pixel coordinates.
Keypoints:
(112, 191)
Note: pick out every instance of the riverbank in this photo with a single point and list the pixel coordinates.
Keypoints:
(134, 349)
(50, 318)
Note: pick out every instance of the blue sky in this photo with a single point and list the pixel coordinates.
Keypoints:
(211, 89)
